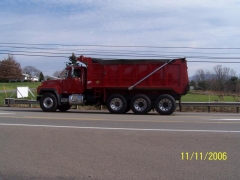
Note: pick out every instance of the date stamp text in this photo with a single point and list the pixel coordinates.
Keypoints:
(204, 156)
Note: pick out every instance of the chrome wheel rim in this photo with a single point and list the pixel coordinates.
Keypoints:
(140, 104)
(116, 104)
(165, 105)
(48, 102)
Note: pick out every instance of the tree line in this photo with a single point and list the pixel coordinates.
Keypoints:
(220, 78)
(10, 70)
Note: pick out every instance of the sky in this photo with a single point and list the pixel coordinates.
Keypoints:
(41, 33)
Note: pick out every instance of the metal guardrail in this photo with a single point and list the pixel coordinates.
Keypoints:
(11, 101)
(210, 104)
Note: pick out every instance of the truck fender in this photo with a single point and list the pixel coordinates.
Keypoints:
(53, 91)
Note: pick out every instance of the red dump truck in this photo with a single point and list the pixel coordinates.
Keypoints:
(122, 85)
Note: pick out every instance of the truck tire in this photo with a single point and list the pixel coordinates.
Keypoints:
(165, 104)
(48, 102)
(140, 104)
(64, 108)
(117, 104)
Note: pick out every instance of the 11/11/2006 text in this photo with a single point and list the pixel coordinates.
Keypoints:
(210, 156)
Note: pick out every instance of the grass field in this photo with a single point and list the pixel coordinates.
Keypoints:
(14, 85)
(207, 98)
(190, 97)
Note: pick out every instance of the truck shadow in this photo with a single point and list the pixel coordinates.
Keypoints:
(73, 111)
(103, 112)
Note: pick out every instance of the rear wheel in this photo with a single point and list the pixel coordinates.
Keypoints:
(64, 108)
(117, 104)
(165, 104)
(140, 104)
(48, 102)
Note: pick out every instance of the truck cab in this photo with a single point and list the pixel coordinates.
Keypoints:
(74, 81)
(62, 93)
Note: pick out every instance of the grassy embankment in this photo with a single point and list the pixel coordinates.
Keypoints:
(196, 96)
(205, 97)
(4, 87)
(192, 96)
(14, 85)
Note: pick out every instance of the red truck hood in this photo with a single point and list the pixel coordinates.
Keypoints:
(50, 84)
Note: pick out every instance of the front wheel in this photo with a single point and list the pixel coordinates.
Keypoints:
(165, 104)
(48, 102)
(117, 104)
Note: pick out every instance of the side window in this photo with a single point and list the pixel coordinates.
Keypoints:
(77, 73)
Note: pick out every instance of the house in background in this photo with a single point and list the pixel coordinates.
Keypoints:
(25, 77)
(34, 78)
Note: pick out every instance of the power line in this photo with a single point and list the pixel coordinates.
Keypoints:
(34, 55)
(195, 57)
(117, 46)
(111, 52)
(57, 53)
(230, 62)
(49, 54)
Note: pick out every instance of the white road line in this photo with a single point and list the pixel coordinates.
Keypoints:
(124, 129)
(225, 119)
(7, 113)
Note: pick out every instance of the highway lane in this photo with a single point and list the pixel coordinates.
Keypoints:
(177, 121)
(99, 145)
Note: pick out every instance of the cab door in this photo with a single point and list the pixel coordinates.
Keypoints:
(74, 83)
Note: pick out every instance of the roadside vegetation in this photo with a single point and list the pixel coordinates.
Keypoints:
(210, 96)
(220, 79)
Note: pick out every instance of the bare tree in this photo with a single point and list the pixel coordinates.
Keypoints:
(233, 73)
(199, 75)
(220, 79)
(32, 71)
(222, 75)
(203, 79)
(60, 74)
(202, 75)
(10, 69)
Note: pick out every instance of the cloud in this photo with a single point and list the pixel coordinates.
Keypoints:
(144, 23)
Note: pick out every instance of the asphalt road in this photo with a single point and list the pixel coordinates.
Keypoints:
(99, 145)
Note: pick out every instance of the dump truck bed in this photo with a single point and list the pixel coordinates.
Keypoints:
(167, 74)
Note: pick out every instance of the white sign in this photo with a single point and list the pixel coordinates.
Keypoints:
(22, 92)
